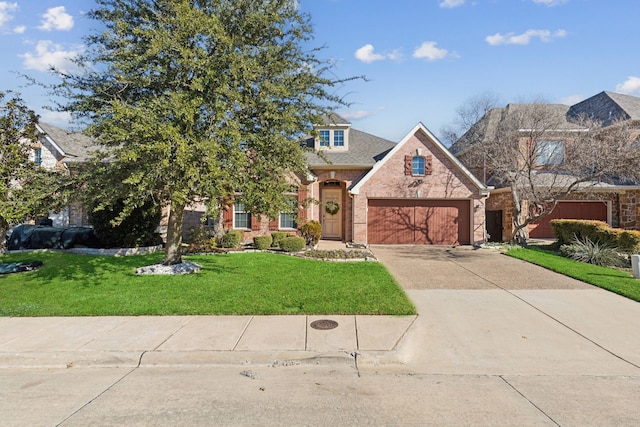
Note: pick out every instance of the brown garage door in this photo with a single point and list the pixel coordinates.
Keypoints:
(430, 222)
(568, 210)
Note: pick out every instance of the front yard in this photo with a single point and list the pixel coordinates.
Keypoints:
(240, 284)
(611, 279)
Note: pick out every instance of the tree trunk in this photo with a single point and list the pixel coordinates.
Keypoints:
(173, 249)
(4, 227)
(519, 234)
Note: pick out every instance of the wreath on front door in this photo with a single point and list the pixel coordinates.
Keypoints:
(331, 207)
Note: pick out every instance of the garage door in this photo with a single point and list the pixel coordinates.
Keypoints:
(568, 210)
(430, 222)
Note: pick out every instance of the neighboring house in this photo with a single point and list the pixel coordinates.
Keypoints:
(58, 149)
(373, 191)
(617, 203)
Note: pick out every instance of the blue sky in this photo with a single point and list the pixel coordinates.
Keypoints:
(422, 58)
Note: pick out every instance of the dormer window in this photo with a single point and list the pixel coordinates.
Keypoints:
(325, 138)
(338, 138)
(333, 138)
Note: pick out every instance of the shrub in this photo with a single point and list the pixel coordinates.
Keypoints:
(311, 232)
(586, 250)
(292, 244)
(263, 242)
(137, 229)
(277, 237)
(232, 239)
(200, 239)
(597, 231)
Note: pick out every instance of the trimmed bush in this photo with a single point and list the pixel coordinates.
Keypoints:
(292, 244)
(566, 230)
(262, 242)
(277, 237)
(311, 232)
(232, 239)
(592, 252)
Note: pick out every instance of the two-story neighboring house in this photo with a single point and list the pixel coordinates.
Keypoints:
(608, 200)
(58, 149)
(373, 191)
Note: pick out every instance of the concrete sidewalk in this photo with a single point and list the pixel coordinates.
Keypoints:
(175, 340)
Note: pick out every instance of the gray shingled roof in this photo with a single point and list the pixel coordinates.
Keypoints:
(608, 107)
(364, 150)
(76, 146)
(487, 126)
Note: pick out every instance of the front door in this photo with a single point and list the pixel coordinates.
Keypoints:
(331, 210)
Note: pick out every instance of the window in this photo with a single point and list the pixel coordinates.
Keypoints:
(241, 218)
(338, 138)
(417, 165)
(37, 156)
(549, 153)
(288, 218)
(325, 137)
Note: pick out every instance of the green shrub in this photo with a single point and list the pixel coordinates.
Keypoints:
(200, 240)
(262, 242)
(292, 244)
(277, 237)
(586, 250)
(566, 230)
(232, 239)
(311, 232)
(137, 229)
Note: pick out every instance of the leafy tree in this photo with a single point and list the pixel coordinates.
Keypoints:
(26, 189)
(543, 156)
(195, 100)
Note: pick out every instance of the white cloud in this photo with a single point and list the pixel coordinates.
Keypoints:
(366, 54)
(60, 119)
(5, 9)
(20, 29)
(630, 87)
(450, 4)
(428, 50)
(356, 115)
(56, 19)
(47, 55)
(572, 99)
(550, 2)
(524, 38)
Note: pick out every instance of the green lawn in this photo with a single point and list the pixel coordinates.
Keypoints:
(612, 279)
(255, 283)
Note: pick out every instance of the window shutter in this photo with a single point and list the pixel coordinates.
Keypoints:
(408, 165)
(428, 165)
(227, 216)
(302, 196)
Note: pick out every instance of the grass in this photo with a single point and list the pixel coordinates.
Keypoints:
(611, 279)
(241, 284)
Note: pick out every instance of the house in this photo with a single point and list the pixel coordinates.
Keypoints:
(58, 149)
(611, 200)
(373, 191)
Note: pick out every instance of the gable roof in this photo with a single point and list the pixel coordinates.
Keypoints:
(72, 146)
(607, 107)
(438, 145)
(364, 151)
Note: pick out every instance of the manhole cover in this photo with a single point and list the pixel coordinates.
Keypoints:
(324, 324)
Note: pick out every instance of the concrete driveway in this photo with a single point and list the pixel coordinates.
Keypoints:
(483, 312)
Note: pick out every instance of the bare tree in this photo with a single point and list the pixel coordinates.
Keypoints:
(467, 115)
(542, 157)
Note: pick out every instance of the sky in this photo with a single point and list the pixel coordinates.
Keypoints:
(422, 59)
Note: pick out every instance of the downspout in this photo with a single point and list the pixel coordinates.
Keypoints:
(353, 216)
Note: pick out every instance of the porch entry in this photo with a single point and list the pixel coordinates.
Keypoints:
(331, 223)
